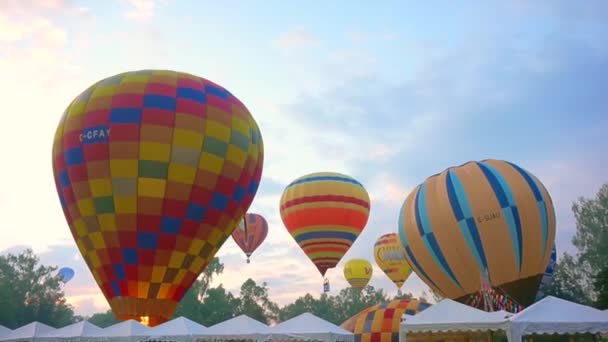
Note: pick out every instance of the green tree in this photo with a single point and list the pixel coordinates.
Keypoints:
(254, 302)
(191, 304)
(31, 292)
(601, 286)
(218, 306)
(103, 320)
(351, 301)
(324, 307)
(569, 281)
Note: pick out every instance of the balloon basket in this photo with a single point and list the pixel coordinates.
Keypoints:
(326, 285)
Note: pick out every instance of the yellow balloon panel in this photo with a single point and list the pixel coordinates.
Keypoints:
(490, 215)
(358, 272)
(390, 257)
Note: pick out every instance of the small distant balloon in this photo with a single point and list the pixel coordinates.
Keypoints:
(66, 274)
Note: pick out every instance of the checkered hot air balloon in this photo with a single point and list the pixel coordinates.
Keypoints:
(250, 234)
(489, 217)
(154, 170)
(325, 212)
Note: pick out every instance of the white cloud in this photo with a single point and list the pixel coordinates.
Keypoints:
(296, 39)
(140, 9)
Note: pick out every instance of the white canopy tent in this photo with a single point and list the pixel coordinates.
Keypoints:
(126, 331)
(245, 327)
(451, 316)
(72, 332)
(553, 315)
(4, 331)
(179, 329)
(28, 332)
(312, 326)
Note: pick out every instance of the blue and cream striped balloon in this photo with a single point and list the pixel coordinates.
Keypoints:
(489, 215)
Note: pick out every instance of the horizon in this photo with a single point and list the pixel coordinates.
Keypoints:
(387, 94)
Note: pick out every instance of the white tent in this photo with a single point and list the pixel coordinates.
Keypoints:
(126, 331)
(312, 326)
(451, 316)
(28, 332)
(74, 332)
(178, 329)
(553, 315)
(246, 327)
(4, 331)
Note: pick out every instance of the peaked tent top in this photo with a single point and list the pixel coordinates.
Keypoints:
(82, 328)
(242, 324)
(554, 310)
(34, 329)
(125, 328)
(180, 326)
(450, 311)
(4, 331)
(309, 323)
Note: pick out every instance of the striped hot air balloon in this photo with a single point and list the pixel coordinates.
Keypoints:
(390, 257)
(325, 212)
(250, 234)
(487, 225)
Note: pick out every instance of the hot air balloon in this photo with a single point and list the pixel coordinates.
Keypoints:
(480, 233)
(358, 272)
(250, 234)
(381, 322)
(390, 257)
(547, 278)
(325, 212)
(154, 170)
(66, 274)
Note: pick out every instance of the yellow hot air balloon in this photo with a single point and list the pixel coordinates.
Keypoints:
(358, 272)
(390, 257)
(480, 233)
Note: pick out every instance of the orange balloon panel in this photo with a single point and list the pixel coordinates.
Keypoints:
(154, 169)
(325, 212)
(390, 257)
(490, 215)
(380, 323)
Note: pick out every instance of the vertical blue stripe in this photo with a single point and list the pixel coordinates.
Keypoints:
(428, 237)
(466, 223)
(540, 202)
(503, 193)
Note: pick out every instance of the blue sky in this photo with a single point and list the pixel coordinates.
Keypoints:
(388, 93)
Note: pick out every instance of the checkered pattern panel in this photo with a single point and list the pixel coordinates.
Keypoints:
(154, 169)
(380, 323)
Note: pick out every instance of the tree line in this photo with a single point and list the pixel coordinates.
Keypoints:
(30, 291)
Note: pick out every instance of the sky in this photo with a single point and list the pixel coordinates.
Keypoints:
(389, 93)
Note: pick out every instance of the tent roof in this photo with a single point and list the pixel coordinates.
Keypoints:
(449, 315)
(82, 328)
(179, 327)
(242, 324)
(309, 323)
(33, 329)
(558, 316)
(4, 331)
(125, 328)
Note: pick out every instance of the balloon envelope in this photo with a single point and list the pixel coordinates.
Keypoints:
(251, 238)
(547, 278)
(358, 272)
(66, 274)
(381, 322)
(481, 216)
(390, 257)
(325, 212)
(154, 169)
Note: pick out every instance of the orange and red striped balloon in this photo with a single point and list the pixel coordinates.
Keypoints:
(325, 212)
